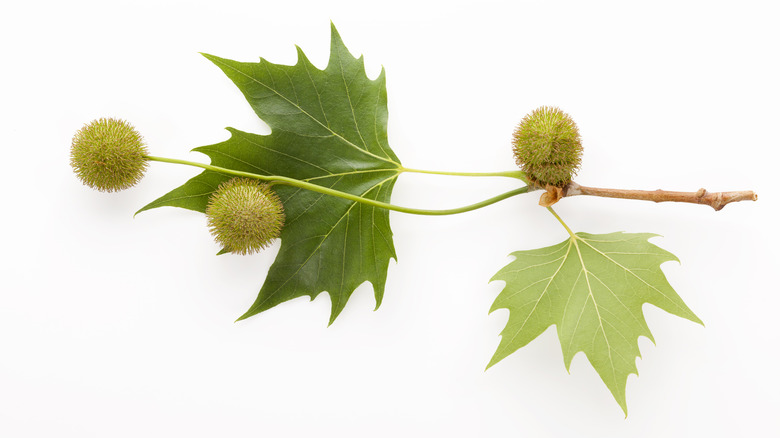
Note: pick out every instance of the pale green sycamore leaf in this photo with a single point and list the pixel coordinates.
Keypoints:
(592, 288)
(329, 127)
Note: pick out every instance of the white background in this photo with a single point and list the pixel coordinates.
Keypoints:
(118, 326)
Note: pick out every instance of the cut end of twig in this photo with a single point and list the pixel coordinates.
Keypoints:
(721, 199)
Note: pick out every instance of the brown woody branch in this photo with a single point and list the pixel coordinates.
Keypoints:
(716, 200)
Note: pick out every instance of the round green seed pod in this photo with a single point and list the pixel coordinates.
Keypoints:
(244, 215)
(547, 147)
(108, 155)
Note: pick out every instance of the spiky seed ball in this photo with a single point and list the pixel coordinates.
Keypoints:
(244, 215)
(547, 146)
(108, 155)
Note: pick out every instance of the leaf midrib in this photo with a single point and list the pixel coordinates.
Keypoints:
(574, 239)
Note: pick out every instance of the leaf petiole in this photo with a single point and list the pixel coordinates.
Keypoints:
(331, 192)
(568, 230)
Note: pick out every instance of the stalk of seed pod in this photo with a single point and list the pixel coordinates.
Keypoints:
(547, 147)
(244, 215)
(108, 155)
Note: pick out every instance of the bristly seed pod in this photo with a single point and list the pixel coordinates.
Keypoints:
(108, 155)
(547, 147)
(244, 215)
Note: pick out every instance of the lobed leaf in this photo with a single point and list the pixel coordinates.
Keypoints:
(329, 127)
(592, 287)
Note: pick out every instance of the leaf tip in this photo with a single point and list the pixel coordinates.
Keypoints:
(336, 43)
(334, 33)
(493, 360)
(247, 314)
(148, 206)
(623, 405)
(302, 59)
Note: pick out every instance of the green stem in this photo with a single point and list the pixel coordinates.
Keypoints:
(509, 174)
(327, 191)
(568, 230)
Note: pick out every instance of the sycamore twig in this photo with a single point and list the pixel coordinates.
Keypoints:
(716, 200)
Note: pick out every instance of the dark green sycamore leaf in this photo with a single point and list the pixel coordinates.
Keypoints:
(592, 288)
(329, 127)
